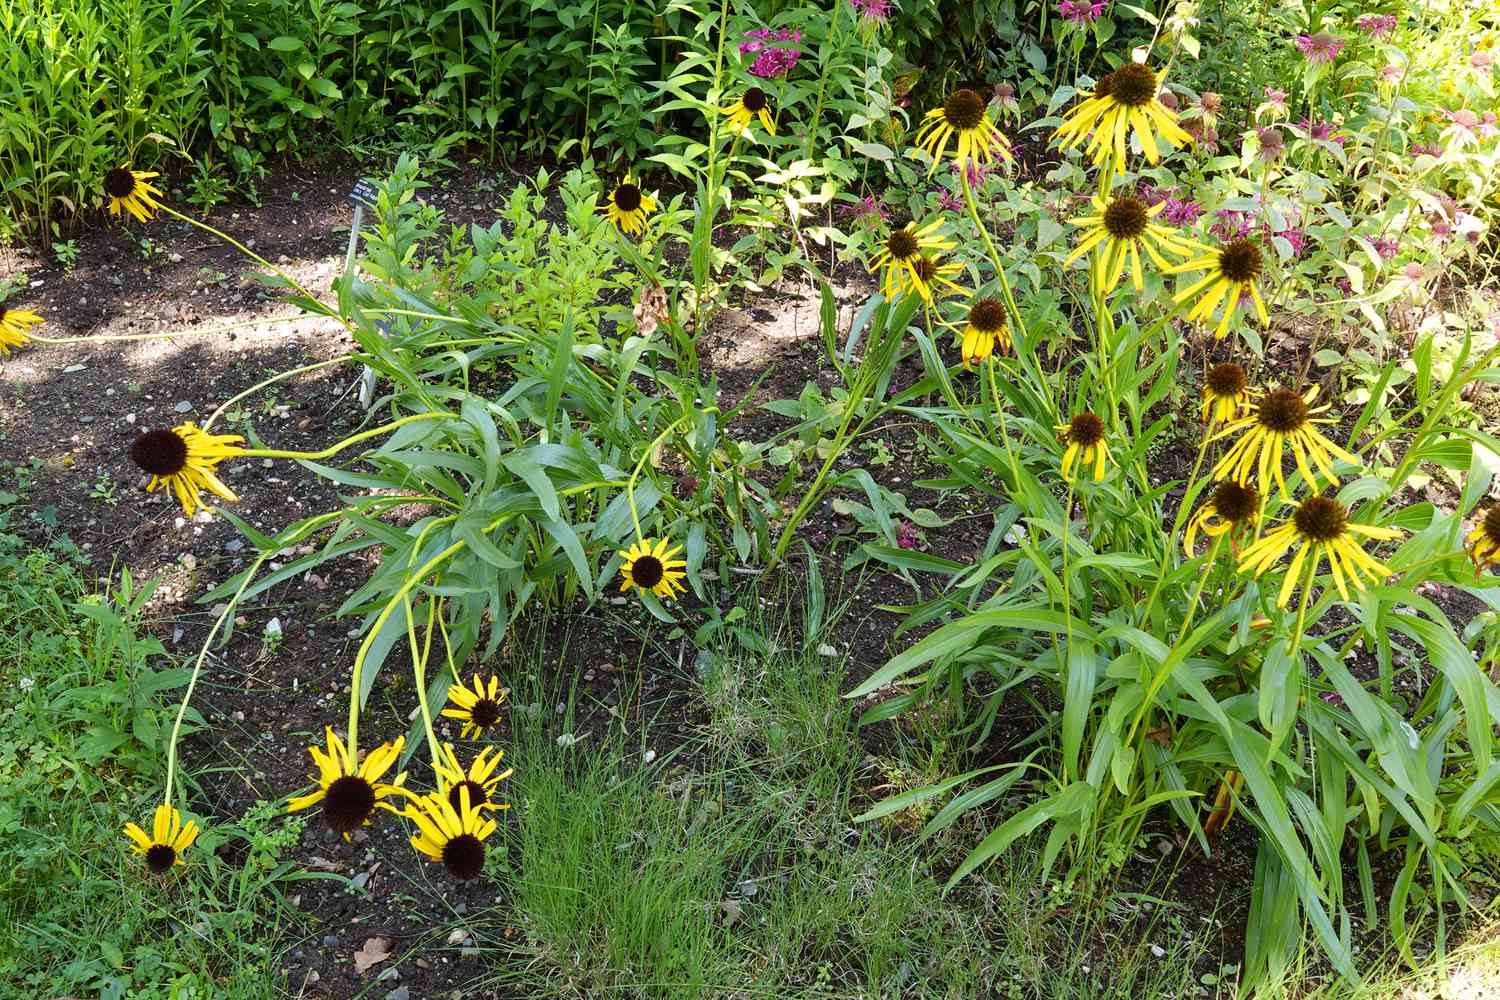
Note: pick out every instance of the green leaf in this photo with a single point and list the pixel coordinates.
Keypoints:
(285, 43)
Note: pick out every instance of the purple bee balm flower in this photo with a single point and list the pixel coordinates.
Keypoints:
(906, 535)
(948, 201)
(1321, 131)
(1080, 12)
(1271, 142)
(1322, 47)
(878, 11)
(1377, 26)
(869, 210)
(1297, 238)
(1387, 247)
(977, 171)
(771, 61)
(1181, 213)
(1230, 224)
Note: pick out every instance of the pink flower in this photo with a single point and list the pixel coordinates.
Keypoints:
(1482, 59)
(771, 60)
(1321, 131)
(1276, 98)
(1387, 247)
(878, 11)
(1081, 12)
(1377, 26)
(906, 535)
(869, 210)
(977, 171)
(1181, 213)
(948, 201)
(1468, 129)
(1413, 271)
(1271, 142)
(1392, 72)
(1297, 238)
(1323, 47)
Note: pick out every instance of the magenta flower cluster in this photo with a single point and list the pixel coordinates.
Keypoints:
(873, 10)
(1232, 224)
(771, 61)
(1377, 26)
(1323, 47)
(1081, 12)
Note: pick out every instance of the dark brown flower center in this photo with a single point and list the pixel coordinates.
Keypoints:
(1132, 85)
(754, 99)
(463, 856)
(1086, 430)
(160, 452)
(1492, 524)
(647, 571)
(1104, 85)
(1234, 502)
(1283, 411)
(902, 244)
(987, 316)
(348, 802)
(1240, 261)
(926, 269)
(1125, 218)
(627, 197)
(1320, 519)
(1227, 379)
(963, 109)
(477, 797)
(485, 713)
(119, 182)
(160, 858)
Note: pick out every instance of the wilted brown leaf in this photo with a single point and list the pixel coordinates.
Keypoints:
(375, 951)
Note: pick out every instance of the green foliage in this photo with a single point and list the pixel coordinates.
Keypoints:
(82, 754)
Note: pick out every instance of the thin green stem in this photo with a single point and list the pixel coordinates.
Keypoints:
(347, 442)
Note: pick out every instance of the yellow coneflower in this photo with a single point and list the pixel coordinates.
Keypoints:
(965, 115)
(1121, 229)
(129, 190)
(1122, 101)
(653, 568)
(1233, 270)
(1322, 527)
(1084, 435)
(1484, 540)
(753, 103)
(480, 780)
(929, 279)
(1226, 391)
(350, 792)
(628, 206)
(479, 707)
(1232, 507)
(454, 835)
(14, 327)
(170, 836)
(902, 250)
(186, 459)
(986, 330)
(1279, 417)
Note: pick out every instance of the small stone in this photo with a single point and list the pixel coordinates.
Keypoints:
(237, 715)
(387, 974)
(1158, 950)
(330, 940)
(184, 407)
(130, 418)
(399, 993)
(826, 650)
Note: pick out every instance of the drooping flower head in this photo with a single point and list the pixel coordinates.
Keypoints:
(351, 790)
(170, 836)
(186, 459)
(1232, 271)
(1232, 508)
(653, 568)
(1484, 540)
(1084, 437)
(928, 278)
(964, 115)
(479, 707)
(627, 206)
(985, 331)
(1270, 144)
(454, 835)
(903, 248)
(1320, 527)
(1279, 418)
(15, 326)
(1226, 391)
(129, 190)
(1120, 230)
(480, 780)
(753, 103)
(1122, 102)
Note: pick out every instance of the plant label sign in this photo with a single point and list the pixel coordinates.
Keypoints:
(363, 194)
